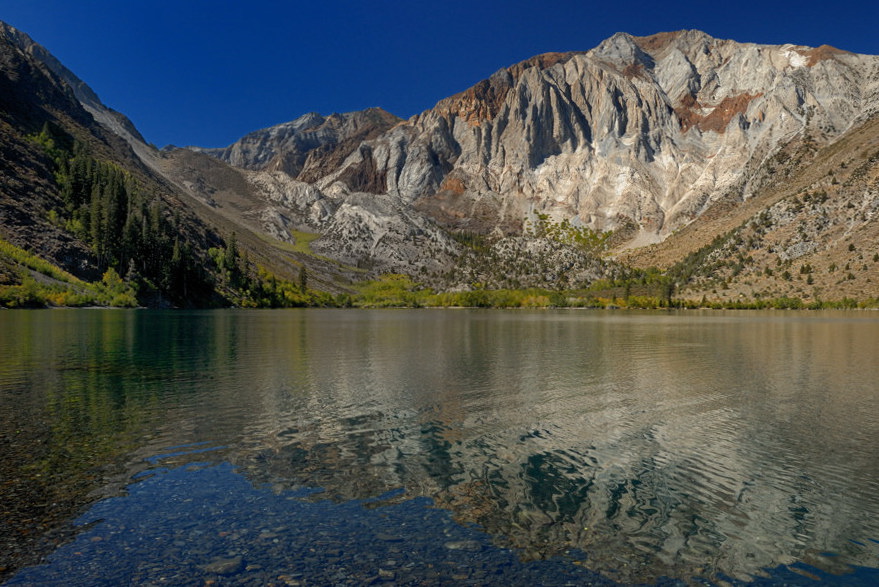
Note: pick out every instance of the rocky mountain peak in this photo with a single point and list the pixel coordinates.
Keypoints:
(83, 92)
(483, 101)
(821, 53)
(31, 88)
(480, 102)
(541, 62)
(623, 51)
(87, 98)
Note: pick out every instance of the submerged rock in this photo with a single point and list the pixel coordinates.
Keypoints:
(224, 566)
(468, 545)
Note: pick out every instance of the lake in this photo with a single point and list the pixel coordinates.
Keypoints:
(332, 447)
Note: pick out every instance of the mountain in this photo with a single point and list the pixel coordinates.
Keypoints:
(267, 184)
(83, 191)
(639, 134)
(304, 147)
(653, 138)
(736, 170)
(86, 97)
(33, 94)
(76, 195)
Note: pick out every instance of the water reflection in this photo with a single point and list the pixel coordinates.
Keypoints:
(660, 445)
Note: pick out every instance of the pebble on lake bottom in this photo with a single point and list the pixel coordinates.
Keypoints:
(224, 566)
(466, 545)
(242, 535)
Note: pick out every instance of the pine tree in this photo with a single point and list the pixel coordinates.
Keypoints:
(303, 279)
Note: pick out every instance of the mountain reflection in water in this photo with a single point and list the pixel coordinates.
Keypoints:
(678, 445)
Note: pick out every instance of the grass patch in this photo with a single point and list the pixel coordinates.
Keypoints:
(22, 290)
(12, 254)
(304, 240)
(302, 244)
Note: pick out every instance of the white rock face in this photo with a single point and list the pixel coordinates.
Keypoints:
(359, 229)
(371, 230)
(286, 193)
(643, 132)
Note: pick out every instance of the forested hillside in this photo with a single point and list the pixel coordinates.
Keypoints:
(83, 221)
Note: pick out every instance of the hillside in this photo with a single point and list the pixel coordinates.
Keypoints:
(675, 165)
(80, 190)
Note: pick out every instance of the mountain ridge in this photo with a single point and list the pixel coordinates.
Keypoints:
(568, 133)
(694, 122)
(642, 136)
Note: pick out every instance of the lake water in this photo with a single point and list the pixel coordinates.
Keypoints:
(325, 447)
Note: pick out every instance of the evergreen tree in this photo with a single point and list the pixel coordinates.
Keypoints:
(127, 230)
(303, 279)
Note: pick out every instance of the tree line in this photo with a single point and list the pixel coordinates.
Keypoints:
(129, 230)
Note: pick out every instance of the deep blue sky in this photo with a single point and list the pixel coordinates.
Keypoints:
(205, 72)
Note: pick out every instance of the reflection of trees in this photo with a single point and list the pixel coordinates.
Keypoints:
(44, 469)
(78, 390)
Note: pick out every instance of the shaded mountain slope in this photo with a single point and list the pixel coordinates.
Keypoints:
(76, 221)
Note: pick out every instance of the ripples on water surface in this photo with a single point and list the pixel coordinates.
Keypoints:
(441, 446)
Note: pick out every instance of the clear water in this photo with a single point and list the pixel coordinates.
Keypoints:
(435, 447)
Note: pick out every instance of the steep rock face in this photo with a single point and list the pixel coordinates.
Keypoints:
(641, 133)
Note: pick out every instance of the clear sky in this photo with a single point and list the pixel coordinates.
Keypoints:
(206, 72)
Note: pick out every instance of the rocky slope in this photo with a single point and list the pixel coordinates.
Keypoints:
(670, 141)
(810, 232)
(340, 239)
